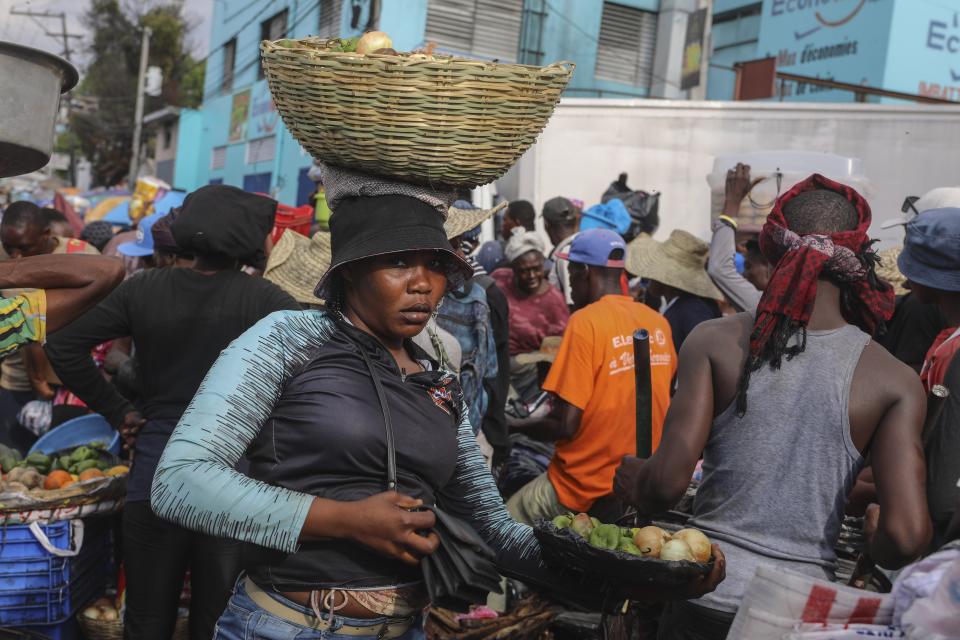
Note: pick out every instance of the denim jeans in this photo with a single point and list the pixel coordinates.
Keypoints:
(244, 620)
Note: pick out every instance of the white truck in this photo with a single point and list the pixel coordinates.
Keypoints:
(671, 146)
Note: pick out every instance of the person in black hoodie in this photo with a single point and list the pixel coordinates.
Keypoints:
(180, 319)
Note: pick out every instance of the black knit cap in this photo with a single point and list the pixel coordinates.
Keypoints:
(367, 226)
(224, 220)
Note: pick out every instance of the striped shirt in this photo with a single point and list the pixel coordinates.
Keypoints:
(23, 319)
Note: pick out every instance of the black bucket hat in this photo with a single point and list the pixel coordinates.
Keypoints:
(224, 220)
(368, 226)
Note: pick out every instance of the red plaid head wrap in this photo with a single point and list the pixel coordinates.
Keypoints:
(799, 261)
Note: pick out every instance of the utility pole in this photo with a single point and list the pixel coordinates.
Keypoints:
(65, 35)
(138, 117)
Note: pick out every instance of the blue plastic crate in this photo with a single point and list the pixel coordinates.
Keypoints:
(18, 542)
(44, 591)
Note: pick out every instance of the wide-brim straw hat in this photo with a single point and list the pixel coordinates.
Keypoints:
(297, 262)
(680, 262)
(889, 271)
(548, 351)
(459, 221)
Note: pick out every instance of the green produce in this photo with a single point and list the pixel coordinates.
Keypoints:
(82, 466)
(582, 525)
(39, 461)
(596, 523)
(345, 45)
(626, 545)
(65, 462)
(83, 453)
(7, 462)
(606, 536)
(562, 522)
(103, 466)
(56, 466)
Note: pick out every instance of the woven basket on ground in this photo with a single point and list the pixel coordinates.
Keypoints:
(435, 120)
(113, 629)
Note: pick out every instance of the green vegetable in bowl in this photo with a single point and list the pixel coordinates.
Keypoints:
(606, 536)
(562, 522)
(626, 545)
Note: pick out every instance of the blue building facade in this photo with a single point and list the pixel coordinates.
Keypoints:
(912, 46)
(238, 138)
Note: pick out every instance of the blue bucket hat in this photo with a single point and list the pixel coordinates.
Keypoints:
(931, 250)
(594, 247)
(143, 246)
(612, 215)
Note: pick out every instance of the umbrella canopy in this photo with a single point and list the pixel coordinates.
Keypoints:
(169, 200)
(120, 214)
(105, 206)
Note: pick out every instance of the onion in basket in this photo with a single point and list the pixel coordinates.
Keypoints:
(676, 550)
(373, 40)
(699, 544)
(650, 540)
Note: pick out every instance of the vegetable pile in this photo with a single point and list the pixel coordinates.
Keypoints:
(650, 542)
(102, 609)
(40, 472)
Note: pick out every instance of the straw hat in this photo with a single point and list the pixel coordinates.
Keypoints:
(297, 262)
(548, 351)
(459, 221)
(680, 262)
(887, 270)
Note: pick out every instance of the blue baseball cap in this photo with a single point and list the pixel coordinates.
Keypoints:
(143, 246)
(931, 250)
(612, 215)
(594, 246)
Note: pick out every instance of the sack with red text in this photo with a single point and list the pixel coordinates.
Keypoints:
(779, 603)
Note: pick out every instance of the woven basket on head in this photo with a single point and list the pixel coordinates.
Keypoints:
(435, 120)
(113, 629)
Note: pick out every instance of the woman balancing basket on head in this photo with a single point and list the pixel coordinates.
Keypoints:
(367, 496)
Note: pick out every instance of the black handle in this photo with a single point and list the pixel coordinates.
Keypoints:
(387, 422)
(641, 372)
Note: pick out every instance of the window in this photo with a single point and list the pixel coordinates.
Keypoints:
(218, 157)
(167, 136)
(480, 28)
(257, 182)
(330, 12)
(229, 64)
(261, 149)
(626, 45)
(272, 29)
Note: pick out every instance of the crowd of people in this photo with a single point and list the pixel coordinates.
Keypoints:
(290, 409)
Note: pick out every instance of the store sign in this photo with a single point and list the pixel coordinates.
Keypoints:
(693, 49)
(925, 50)
(239, 112)
(842, 40)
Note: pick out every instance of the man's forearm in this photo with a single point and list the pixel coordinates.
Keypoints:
(55, 271)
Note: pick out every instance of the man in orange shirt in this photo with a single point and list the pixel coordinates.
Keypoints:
(594, 417)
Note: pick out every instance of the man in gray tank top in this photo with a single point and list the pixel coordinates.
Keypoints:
(785, 407)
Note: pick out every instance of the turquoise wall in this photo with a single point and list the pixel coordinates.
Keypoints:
(924, 52)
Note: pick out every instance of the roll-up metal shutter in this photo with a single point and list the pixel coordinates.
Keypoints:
(330, 11)
(482, 28)
(625, 48)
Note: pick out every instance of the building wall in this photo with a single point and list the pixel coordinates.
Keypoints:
(869, 42)
(671, 145)
(229, 119)
(924, 52)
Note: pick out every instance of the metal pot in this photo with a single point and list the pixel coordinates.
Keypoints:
(31, 82)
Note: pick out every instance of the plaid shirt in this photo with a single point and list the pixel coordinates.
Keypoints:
(23, 319)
